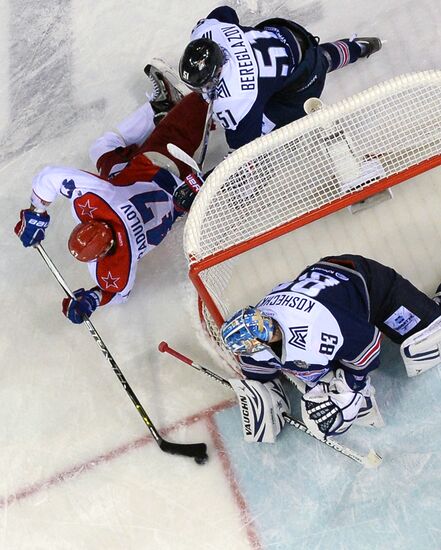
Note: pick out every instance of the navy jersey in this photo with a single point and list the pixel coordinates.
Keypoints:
(259, 63)
(324, 317)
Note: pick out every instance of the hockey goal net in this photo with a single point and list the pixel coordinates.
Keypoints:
(334, 162)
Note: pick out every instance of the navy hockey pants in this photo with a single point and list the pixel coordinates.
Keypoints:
(287, 106)
(388, 293)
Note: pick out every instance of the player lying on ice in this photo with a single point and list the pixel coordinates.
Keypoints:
(128, 209)
(259, 78)
(324, 328)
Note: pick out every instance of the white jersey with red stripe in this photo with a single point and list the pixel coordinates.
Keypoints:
(137, 204)
(324, 318)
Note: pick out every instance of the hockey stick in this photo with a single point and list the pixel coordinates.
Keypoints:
(371, 460)
(198, 451)
(206, 134)
(181, 155)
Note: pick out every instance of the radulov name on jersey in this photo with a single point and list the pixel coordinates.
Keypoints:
(137, 227)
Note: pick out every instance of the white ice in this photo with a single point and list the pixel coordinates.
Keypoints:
(79, 470)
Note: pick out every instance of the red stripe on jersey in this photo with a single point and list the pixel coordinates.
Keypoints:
(369, 354)
(112, 271)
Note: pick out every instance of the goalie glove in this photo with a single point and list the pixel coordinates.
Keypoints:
(330, 409)
(185, 193)
(261, 407)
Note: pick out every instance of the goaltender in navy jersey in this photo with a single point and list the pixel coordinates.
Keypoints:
(333, 315)
(137, 204)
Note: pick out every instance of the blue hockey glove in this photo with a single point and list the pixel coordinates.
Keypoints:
(185, 193)
(85, 303)
(31, 227)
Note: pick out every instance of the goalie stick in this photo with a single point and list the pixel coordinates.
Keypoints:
(371, 460)
(198, 451)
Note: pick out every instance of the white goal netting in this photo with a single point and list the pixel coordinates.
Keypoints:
(381, 136)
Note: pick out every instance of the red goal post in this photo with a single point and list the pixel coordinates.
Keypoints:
(335, 157)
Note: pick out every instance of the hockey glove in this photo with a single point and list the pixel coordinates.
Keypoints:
(185, 193)
(261, 406)
(85, 303)
(31, 227)
(330, 409)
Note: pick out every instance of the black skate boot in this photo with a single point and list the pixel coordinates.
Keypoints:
(368, 45)
(163, 94)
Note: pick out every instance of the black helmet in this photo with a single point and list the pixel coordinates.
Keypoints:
(201, 63)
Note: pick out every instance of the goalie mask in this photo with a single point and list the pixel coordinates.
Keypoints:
(248, 331)
(90, 241)
(201, 64)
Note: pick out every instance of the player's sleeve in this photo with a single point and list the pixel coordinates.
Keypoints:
(113, 298)
(224, 14)
(363, 355)
(261, 366)
(53, 181)
(248, 129)
(117, 295)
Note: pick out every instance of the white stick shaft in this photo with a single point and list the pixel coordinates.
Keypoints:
(206, 134)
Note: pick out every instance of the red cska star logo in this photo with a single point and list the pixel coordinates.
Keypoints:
(87, 209)
(110, 281)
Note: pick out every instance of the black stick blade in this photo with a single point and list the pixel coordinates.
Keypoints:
(198, 451)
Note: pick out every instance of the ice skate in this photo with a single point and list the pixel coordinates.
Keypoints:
(164, 90)
(368, 45)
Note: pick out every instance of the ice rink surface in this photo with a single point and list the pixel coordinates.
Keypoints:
(79, 470)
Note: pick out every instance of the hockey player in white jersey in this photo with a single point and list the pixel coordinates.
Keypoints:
(127, 210)
(324, 328)
(259, 78)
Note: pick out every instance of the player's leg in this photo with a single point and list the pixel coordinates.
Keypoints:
(397, 307)
(288, 105)
(112, 151)
(183, 126)
(347, 50)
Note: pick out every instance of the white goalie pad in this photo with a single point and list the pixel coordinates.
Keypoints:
(422, 351)
(261, 407)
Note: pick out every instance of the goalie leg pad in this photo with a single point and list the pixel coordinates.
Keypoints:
(261, 407)
(369, 414)
(422, 351)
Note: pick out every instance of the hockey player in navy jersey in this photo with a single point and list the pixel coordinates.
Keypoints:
(127, 210)
(324, 329)
(259, 77)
